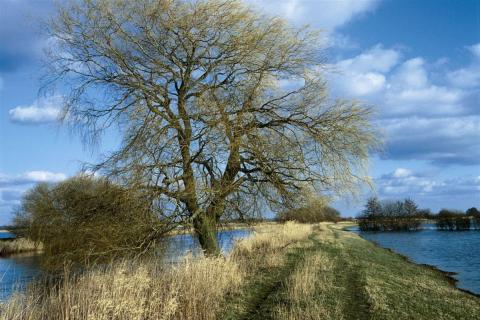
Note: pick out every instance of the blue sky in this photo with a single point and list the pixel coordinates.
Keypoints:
(417, 62)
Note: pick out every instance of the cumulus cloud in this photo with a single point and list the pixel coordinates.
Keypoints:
(327, 15)
(30, 177)
(42, 110)
(406, 183)
(468, 77)
(364, 74)
(423, 117)
(376, 59)
(13, 187)
(441, 141)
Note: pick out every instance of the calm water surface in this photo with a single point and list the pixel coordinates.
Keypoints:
(453, 251)
(17, 270)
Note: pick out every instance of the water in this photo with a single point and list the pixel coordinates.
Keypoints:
(17, 271)
(178, 246)
(452, 251)
(6, 235)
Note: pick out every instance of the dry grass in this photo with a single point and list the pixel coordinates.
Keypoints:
(288, 272)
(309, 287)
(19, 245)
(265, 247)
(130, 291)
(193, 289)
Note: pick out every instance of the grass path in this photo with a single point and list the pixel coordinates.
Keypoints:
(261, 293)
(338, 275)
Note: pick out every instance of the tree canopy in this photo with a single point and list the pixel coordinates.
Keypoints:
(222, 110)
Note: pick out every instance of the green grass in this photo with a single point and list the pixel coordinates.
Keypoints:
(338, 275)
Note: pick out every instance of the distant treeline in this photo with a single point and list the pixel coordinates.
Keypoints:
(405, 216)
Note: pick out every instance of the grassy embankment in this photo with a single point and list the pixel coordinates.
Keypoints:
(282, 272)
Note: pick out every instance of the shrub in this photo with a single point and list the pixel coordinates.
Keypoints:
(475, 216)
(86, 218)
(425, 214)
(473, 212)
(310, 214)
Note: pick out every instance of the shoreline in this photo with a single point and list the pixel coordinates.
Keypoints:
(290, 271)
(448, 275)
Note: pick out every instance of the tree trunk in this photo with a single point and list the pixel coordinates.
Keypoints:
(206, 230)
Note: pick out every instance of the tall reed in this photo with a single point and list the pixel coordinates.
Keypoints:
(19, 245)
(193, 289)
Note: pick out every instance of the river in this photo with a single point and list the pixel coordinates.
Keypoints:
(451, 251)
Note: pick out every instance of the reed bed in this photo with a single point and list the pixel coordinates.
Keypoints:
(197, 288)
(19, 245)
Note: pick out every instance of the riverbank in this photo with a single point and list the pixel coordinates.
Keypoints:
(19, 245)
(286, 271)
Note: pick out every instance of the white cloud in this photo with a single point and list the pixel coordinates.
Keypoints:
(364, 74)
(475, 50)
(363, 84)
(409, 183)
(13, 187)
(402, 173)
(468, 77)
(42, 110)
(327, 15)
(424, 116)
(465, 77)
(411, 74)
(399, 88)
(31, 177)
(376, 59)
(448, 140)
(44, 176)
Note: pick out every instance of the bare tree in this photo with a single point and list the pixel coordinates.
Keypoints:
(222, 110)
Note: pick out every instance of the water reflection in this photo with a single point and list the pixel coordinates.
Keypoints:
(180, 245)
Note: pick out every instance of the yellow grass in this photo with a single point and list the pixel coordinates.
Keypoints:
(19, 245)
(193, 289)
(265, 247)
(313, 277)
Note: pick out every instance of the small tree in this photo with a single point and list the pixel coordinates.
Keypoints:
(372, 211)
(86, 218)
(410, 207)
